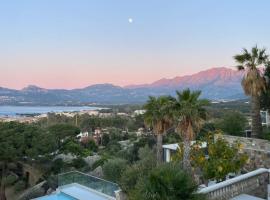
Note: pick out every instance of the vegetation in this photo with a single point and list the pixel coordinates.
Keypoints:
(253, 82)
(233, 123)
(15, 142)
(223, 159)
(158, 117)
(114, 168)
(168, 181)
(186, 112)
(190, 113)
(138, 170)
(126, 157)
(265, 102)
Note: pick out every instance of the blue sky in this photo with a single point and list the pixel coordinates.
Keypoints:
(75, 43)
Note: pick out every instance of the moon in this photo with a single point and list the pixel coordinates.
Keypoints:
(130, 20)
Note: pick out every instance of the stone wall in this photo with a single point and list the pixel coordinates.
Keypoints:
(258, 151)
(254, 183)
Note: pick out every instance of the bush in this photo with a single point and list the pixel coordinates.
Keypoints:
(19, 186)
(113, 169)
(113, 147)
(52, 182)
(11, 179)
(57, 166)
(105, 139)
(233, 123)
(74, 148)
(130, 177)
(223, 158)
(99, 162)
(266, 133)
(78, 163)
(167, 181)
(92, 145)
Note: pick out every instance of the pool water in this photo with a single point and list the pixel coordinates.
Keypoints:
(59, 196)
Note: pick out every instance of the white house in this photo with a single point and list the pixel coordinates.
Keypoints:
(139, 112)
(82, 135)
(265, 118)
(170, 149)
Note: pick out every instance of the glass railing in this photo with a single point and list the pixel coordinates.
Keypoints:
(89, 181)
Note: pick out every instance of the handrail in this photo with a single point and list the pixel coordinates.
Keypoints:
(89, 176)
(233, 180)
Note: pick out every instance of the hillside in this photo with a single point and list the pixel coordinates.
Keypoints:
(215, 84)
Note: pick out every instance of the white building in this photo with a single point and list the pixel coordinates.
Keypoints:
(140, 132)
(265, 118)
(139, 112)
(170, 149)
(89, 112)
(82, 135)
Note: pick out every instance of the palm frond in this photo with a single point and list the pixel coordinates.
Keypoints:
(262, 57)
(240, 58)
(189, 110)
(253, 83)
(240, 67)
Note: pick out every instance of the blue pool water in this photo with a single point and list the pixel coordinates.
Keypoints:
(59, 196)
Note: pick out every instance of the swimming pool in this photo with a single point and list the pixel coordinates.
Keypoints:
(58, 196)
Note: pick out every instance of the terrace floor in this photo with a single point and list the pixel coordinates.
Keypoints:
(246, 197)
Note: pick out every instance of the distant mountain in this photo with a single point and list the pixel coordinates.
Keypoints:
(215, 84)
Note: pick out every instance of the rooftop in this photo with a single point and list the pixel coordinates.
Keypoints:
(176, 145)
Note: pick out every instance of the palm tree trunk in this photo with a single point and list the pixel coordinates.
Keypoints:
(256, 124)
(159, 149)
(186, 155)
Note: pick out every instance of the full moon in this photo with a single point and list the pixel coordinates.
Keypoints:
(130, 20)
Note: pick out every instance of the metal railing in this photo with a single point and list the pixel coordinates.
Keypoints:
(95, 183)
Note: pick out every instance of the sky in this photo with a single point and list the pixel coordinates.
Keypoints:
(77, 43)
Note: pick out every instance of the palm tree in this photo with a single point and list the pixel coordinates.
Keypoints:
(253, 82)
(265, 103)
(157, 116)
(190, 113)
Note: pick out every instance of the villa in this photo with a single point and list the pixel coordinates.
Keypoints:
(75, 185)
(79, 186)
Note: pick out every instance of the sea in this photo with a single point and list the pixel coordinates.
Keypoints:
(13, 111)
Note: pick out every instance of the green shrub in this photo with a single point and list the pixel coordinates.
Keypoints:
(78, 163)
(113, 169)
(266, 133)
(99, 162)
(57, 166)
(11, 179)
(233, 123)
(166, 181)
(91, 145)
(19, 186)
(142, 168)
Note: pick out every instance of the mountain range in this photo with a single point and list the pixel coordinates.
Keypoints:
(215, 84)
